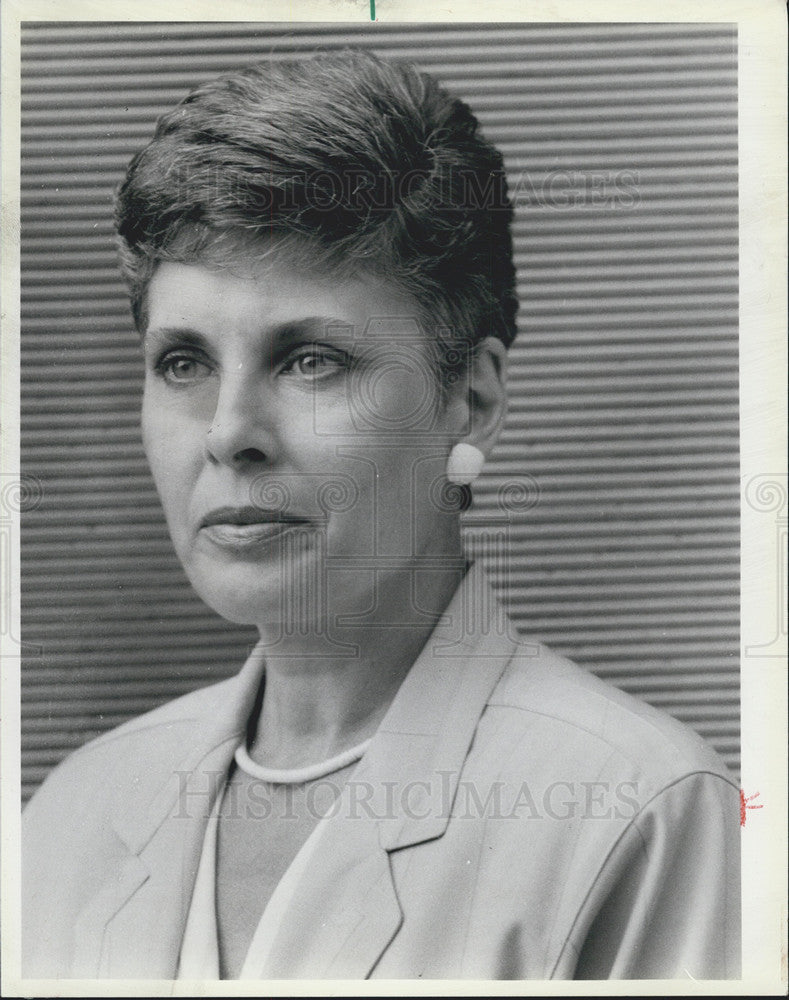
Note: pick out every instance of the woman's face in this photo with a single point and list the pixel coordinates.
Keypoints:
(296, 436)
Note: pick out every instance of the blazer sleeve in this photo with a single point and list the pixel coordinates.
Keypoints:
(666, 903)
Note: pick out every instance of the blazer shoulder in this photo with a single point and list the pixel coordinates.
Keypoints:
(143, 744)
(597, 720)
(193, 707)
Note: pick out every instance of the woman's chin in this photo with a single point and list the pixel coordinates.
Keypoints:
(267, 601)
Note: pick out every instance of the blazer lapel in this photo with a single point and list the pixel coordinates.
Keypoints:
(344, 910)
(136, 920)
(146, 912)
(343, 896)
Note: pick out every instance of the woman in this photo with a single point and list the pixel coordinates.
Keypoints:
(395, 785)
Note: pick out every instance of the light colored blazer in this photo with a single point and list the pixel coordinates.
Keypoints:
(514, 817)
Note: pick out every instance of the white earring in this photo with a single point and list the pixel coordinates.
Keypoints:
(464, 463)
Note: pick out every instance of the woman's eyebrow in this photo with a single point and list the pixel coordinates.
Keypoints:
(286, 333)
(282, 337)
(311, 327)
(183, 334)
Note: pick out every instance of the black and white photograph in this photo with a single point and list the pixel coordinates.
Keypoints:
(394, 536)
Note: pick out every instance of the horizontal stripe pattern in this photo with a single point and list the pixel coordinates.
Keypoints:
(615, 483)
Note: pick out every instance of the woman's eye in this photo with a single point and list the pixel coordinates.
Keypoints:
(181, 369)
(314, 364)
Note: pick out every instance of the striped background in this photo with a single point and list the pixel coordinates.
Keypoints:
(619, 461)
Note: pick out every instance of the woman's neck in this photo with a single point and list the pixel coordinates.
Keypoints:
(327, 689)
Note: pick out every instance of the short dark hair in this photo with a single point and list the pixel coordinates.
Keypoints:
(368, 164)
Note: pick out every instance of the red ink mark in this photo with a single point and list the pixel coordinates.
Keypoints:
(745, 805)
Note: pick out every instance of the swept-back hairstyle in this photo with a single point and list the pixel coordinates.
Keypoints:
(364, 165)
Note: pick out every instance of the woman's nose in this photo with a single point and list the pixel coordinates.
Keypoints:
(241, 431)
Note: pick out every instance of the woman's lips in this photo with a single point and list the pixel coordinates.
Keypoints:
(247, 527)
(249, 535)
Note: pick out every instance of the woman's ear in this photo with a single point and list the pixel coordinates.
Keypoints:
(482, 396)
